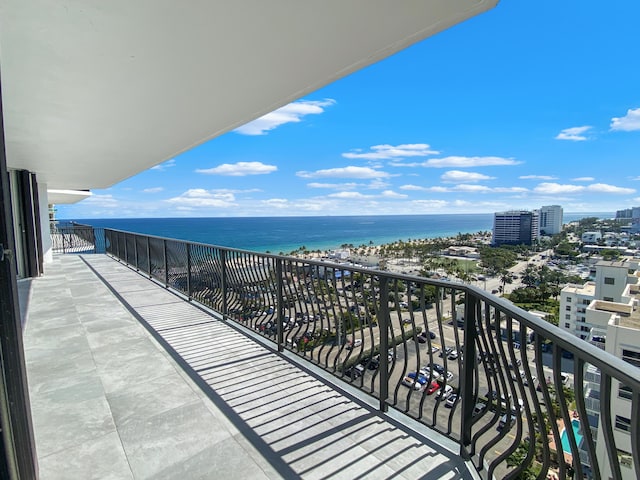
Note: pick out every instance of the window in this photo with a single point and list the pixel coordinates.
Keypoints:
(625, 392)
(609, 281)
(567, 316)
(586, 302)
(608, 299)
(566, 325)
(568, 299)
(631, 356)
(568, 308)
(623, 423)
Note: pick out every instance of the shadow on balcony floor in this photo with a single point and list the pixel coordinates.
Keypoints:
(109, 401)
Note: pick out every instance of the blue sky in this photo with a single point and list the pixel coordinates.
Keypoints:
(530, 104)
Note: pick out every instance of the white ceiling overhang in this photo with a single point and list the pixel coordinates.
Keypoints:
(97, 91)
(60, 197)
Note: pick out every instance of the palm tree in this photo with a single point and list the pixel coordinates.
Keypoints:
(506, 277)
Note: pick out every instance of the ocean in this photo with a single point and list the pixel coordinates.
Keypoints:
(285, 234)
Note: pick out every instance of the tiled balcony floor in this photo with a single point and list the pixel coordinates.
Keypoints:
(109, 401)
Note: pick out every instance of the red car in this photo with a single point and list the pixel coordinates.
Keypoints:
(432, 387)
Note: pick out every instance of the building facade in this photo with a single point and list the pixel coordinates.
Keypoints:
(516, 227)
(550, 220)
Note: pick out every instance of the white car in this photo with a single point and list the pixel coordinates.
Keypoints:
(451, 401)
(411, 383)
(426, 371)
(444, 393)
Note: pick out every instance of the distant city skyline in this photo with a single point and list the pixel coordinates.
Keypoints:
(529, 104)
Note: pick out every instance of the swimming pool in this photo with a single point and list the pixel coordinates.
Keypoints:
(575, 424)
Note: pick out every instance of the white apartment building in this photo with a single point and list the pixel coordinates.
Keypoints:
(611, 279)
(617, 331)
(550, 219)
(516, 227)
(574, 301)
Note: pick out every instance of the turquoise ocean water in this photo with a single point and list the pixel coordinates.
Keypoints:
(285, 234)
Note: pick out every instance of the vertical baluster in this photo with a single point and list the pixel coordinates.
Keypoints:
(383, 327)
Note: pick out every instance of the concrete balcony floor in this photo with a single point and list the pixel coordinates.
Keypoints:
(129, 381)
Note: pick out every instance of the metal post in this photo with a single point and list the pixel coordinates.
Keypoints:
(149, 257)
(189, 270)
(383, 326)
(280, 304)
(468, 367)
(126, 253)
(135, 251)
(166, 266)
(223, 281)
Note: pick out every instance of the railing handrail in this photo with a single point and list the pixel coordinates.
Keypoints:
(566, 340)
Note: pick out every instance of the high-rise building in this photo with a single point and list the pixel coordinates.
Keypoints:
(516, 227)
(550, 219)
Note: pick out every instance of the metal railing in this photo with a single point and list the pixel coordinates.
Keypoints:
(470, 365)
(76, 238)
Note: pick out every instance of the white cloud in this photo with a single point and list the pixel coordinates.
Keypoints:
(574, 133)
(559, 189)
(537, 177)
(510, 189)
(463, 187)
(153, 190)
(468, 162)
(102, 201)
(412, 187)
(430, 204)
(165, 165)
(291, 113)
(583, 179)
(350, 195)
(344, 172)
(334, 186)
(239, 169)
(388, 152)
(392, 194)
(604, 188)
(628, 123)
(199, 198)
(456, 176)
(471, 188)
(635, 178)
(279, 203)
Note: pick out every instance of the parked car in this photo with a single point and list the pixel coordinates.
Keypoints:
(453, 355)
(437, 367)
(432, 387)
(444, 392)
(422, 379)
(446, 351)
(430, 334)
(451, 401)
(479, 408)
(413, 382)
(355, 372)
(506, 421)
(352, 344)
(427, 372)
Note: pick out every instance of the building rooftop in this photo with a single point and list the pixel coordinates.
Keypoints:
(130, 381)
(589, 288)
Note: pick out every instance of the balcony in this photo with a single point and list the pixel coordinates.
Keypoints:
(179, 357)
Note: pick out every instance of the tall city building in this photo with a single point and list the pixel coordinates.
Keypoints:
(516, 227)
(550, 219)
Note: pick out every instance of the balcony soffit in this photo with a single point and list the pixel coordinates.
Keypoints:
(95, 92)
